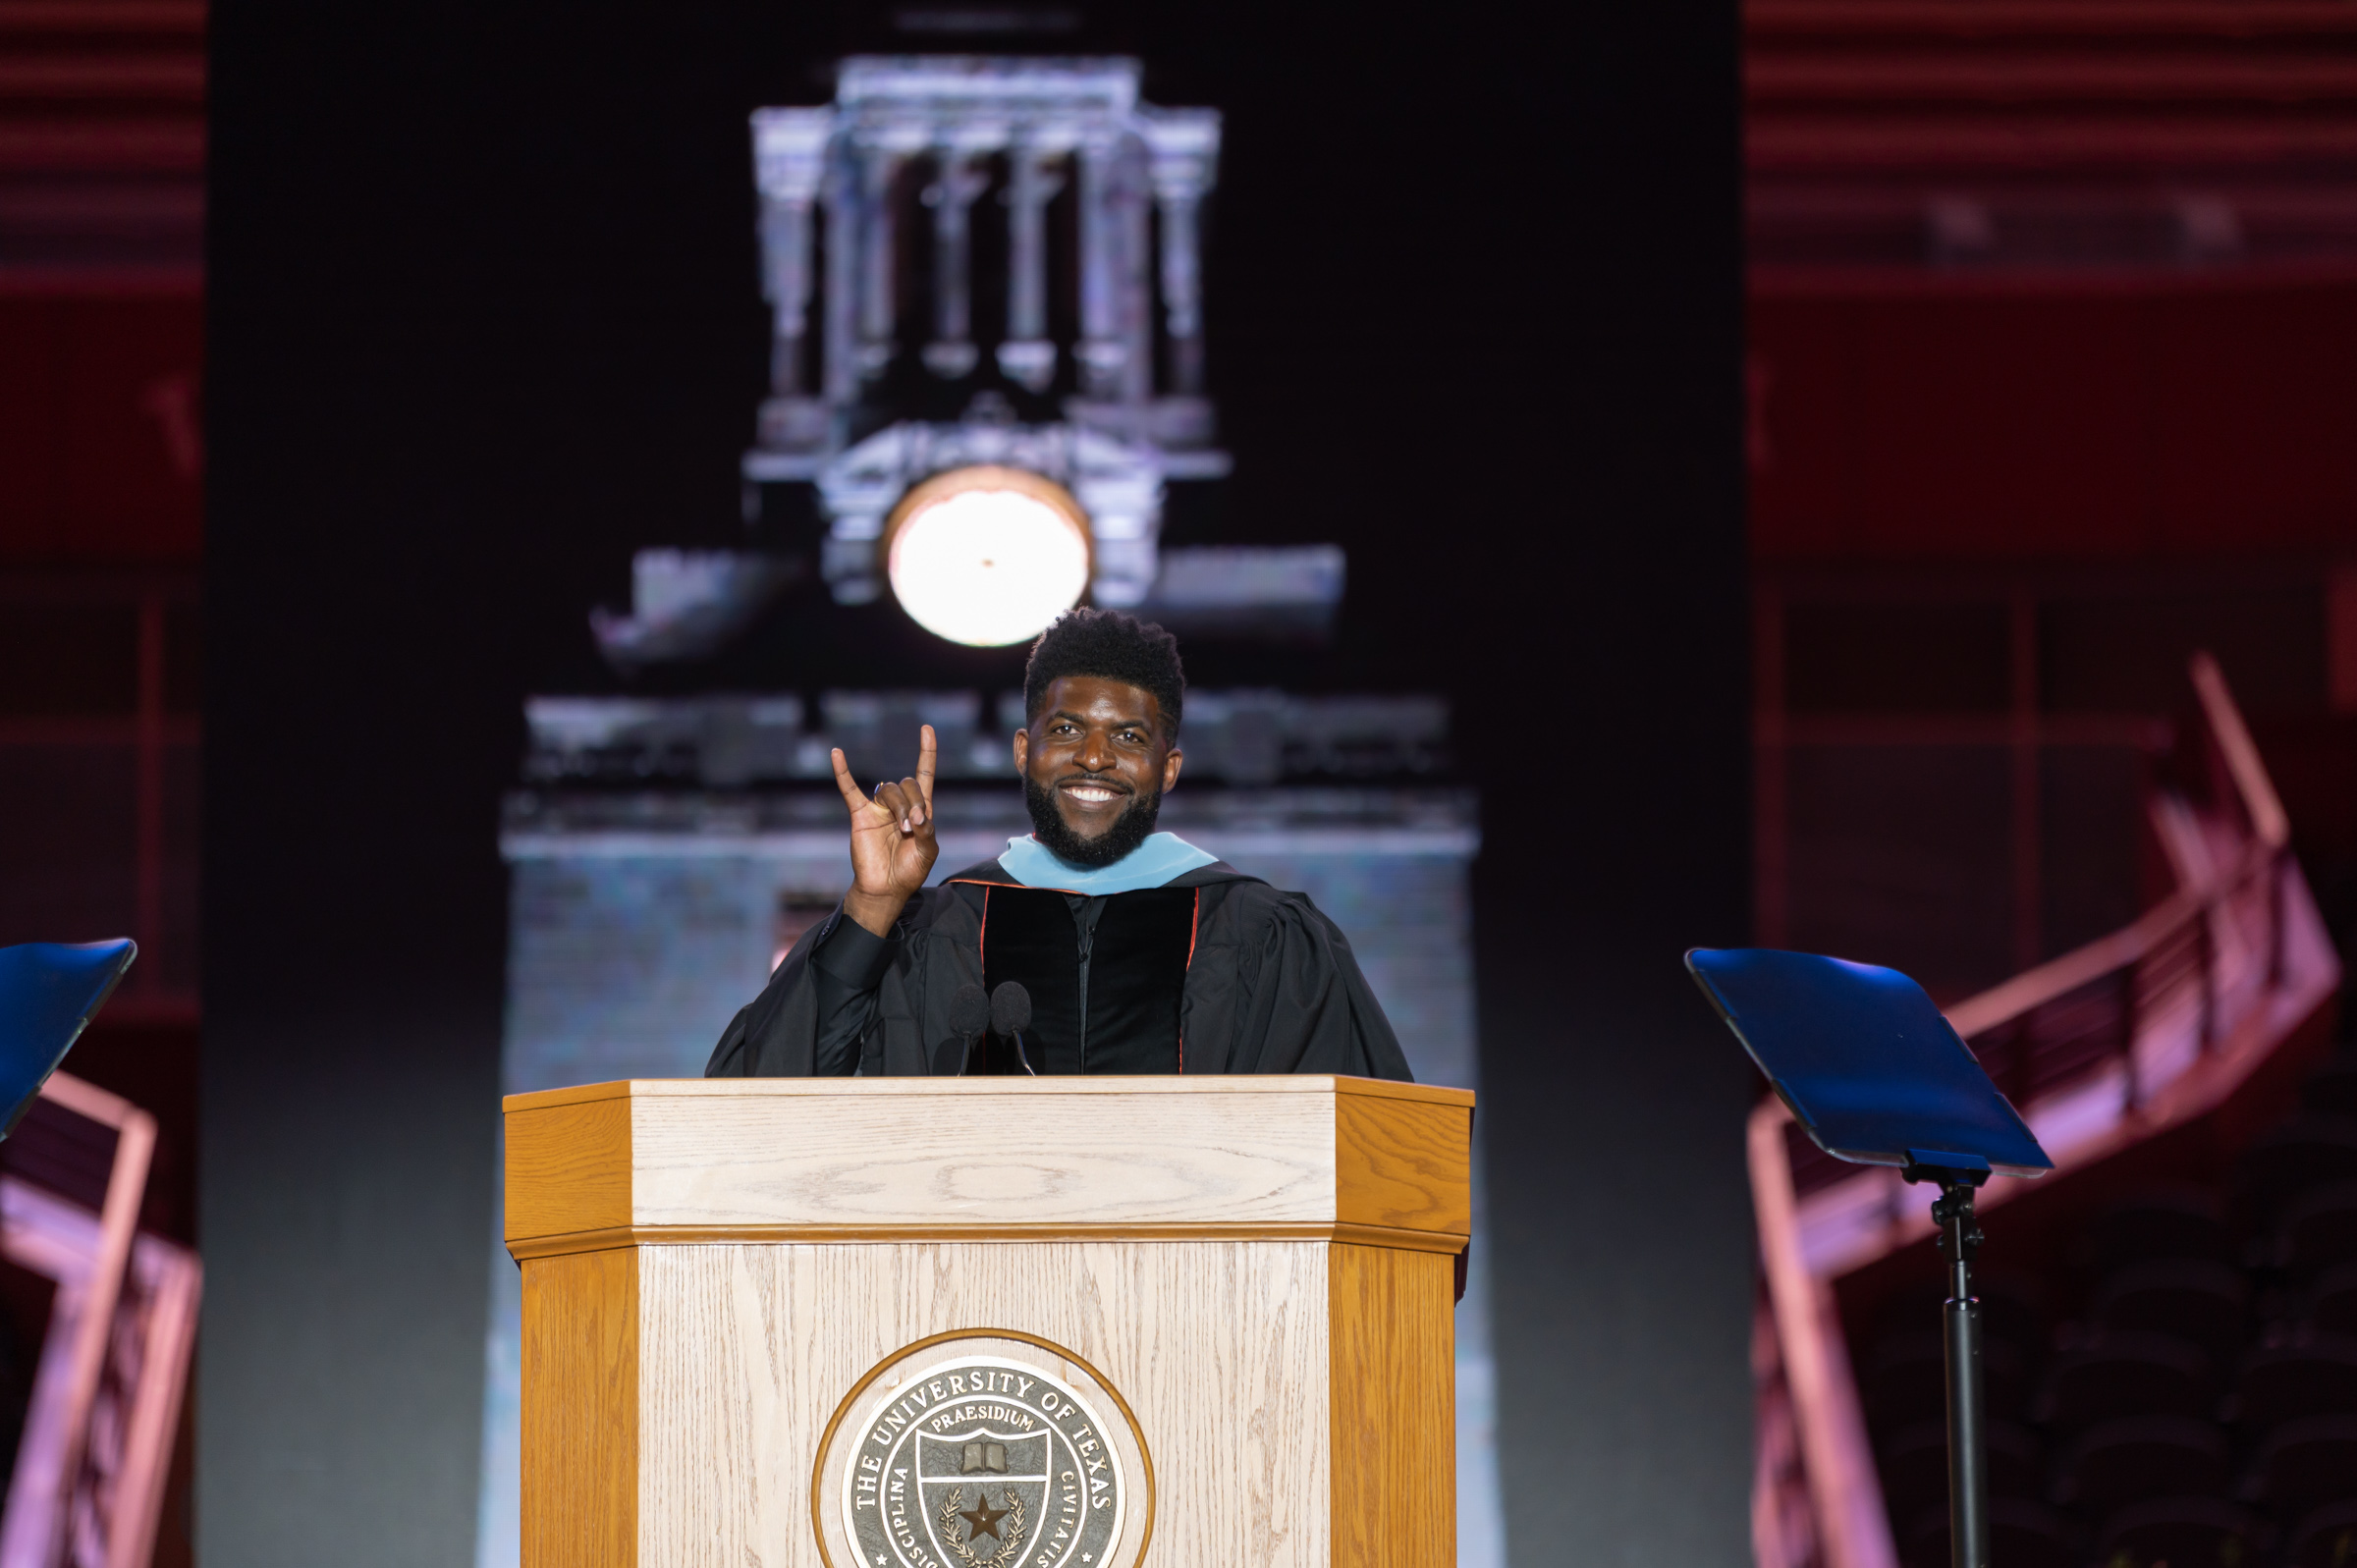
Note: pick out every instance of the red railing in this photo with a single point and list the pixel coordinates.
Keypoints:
(2135, 1032)
(93, 1460)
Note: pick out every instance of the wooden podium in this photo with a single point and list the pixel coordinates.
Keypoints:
(1203, 1322)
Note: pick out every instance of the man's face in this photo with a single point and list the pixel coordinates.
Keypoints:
(1096, 749)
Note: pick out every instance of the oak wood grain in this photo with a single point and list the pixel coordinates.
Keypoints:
(1220, 1349)
(569, 1168)
(999, 1157)
(1406, 1164)
(755, 1235)
(879, 1158)
(581, 1417)
(1393, 1357)
(1260, 1267)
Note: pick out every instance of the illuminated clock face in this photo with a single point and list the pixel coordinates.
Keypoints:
(987, 567)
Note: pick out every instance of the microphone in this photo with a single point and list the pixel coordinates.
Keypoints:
(970, 1013)
(1010, 1016)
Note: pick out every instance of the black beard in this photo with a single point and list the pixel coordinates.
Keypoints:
(1127, 832)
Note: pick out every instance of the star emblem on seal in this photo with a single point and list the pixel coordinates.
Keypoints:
(982, 1518)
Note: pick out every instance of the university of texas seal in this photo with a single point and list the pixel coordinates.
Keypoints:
(989, 1452)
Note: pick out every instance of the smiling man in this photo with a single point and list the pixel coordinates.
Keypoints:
(1140, 952)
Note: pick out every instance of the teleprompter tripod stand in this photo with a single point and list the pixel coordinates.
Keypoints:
(1874, 1074)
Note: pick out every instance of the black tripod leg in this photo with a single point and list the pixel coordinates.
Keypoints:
(1967, 1457)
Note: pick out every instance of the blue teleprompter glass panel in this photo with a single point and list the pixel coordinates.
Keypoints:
(1869, 1067)
(48, 991)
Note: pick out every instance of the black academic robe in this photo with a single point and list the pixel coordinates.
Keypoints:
(1271, 987)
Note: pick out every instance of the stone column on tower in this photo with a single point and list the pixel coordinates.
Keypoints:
(790, 154)
(883, 151)
(839, 370)
(1117, 328)
(1027, 356)
(960, 182)
(1101, 348)
(1135, 289)
(1183, 149)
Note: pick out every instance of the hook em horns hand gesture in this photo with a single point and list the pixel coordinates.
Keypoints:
(892, 840)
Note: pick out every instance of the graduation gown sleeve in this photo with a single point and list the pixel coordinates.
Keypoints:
(1283, 992)
(776, 1034)
(859, 1004)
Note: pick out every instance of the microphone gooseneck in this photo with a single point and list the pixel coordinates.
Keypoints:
(969, 1016)
(970, 1012)
(1010, 1016)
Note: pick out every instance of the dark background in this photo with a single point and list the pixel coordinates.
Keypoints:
(484, 318)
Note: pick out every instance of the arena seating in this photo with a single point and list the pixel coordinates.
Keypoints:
(2185, 1394)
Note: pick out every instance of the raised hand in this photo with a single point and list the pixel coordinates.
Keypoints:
(892, 840)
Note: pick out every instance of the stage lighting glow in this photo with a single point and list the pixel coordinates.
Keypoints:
(987, 556)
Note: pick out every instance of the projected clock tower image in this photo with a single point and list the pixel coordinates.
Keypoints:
(987, 406)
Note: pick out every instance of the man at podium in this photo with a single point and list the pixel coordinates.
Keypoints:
(1140, 952)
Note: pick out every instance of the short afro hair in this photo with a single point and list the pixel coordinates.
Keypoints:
(1112, 646)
